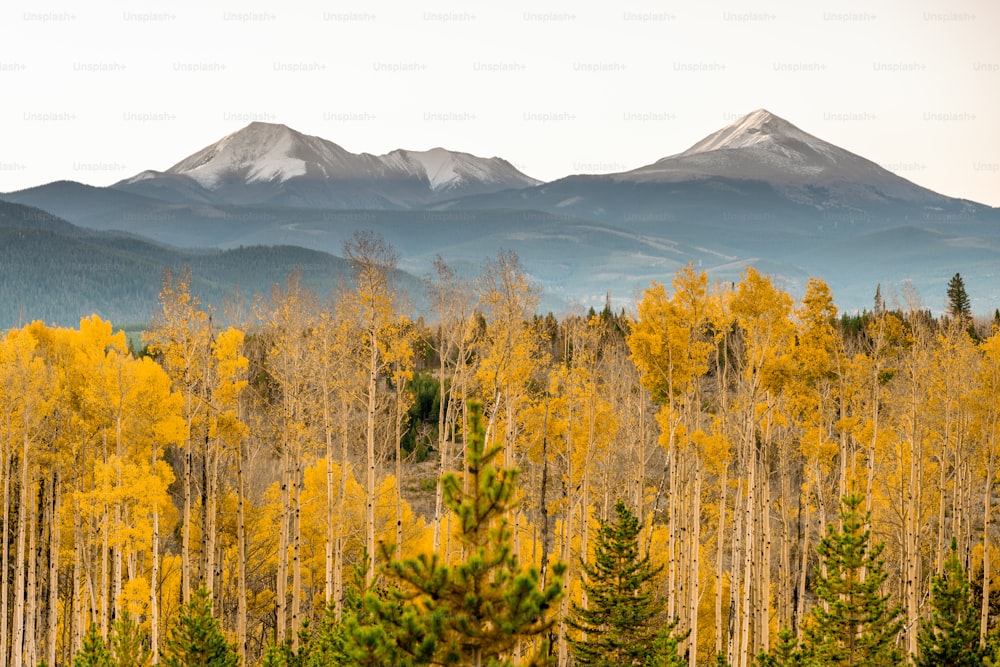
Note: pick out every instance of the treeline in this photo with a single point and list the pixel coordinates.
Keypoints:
(264, 468)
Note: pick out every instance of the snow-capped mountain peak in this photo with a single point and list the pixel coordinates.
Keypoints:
(261, 152)
(440, 166)
(765, 148)
(758, 127)
(449, 170)
(272, 163)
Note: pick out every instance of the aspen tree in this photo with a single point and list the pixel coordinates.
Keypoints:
(179, 338)
(948, 411)
(228, 428)
(373, 262)
(910, 435)
(451, 297)
(762, 314)
(510, 353)
(25, 378)
(338, 379)
(987, 400)
(288, 319)
(671, 352)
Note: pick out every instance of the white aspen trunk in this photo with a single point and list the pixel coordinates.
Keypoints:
(7, 468)
(338, 556)
(211, 463)
(241, 546)
(984, 615)
(694, 565)
(957, 496)
(912, 556)
(154, 586)
(399, 468)
(566, 556)
(105, 573)
(750, 537)
(442, 439)
(762, 636)
(31, 593)
(800, 598)
(785, 582)
(297, 482)
(672, 528)
(78, 608)
(939, 555)
(54, 545)
(281, 585)
(186, 518)
(117, 551)
(719, 550)
(872, 445)
(585, 526)
(91, 605)
(736, 574)
(328, 433)
(684, 481)
(20, 574)
(370, 459)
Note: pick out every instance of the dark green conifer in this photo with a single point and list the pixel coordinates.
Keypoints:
(951, 635)
(959, 305)
(94, 652)
(853, 624)
(623, 623)
(475, 612)
(195, 640)
(785, 653)
(129, 644)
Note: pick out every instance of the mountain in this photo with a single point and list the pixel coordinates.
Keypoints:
(271, 164)
(759, 169)
(763, 147)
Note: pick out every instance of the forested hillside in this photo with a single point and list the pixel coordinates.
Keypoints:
(334, 483)
(55, 272)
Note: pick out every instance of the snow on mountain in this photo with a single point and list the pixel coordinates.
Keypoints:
(761, 146)
(264, 152)
(450, 170)
(267, 162)
(759, 127)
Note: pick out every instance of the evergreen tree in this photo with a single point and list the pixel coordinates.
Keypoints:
(128, 643)
(475, 612)
(622, 623)
(665, 647)
(854, 624)
(359, 639)
(283, 654)
(879, 301)
(720, 660)
(94, 652)
(196, 640)
(990, 656)
(785, 653)
(959, 305)
(951, 635)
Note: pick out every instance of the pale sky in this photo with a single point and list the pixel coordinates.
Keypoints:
(98, 91)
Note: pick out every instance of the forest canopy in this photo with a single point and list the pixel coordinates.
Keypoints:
(278, 482)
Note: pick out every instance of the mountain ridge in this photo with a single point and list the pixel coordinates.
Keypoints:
(270, 163)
